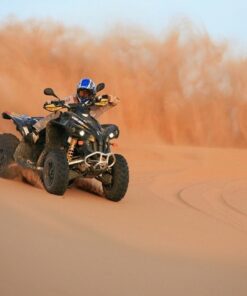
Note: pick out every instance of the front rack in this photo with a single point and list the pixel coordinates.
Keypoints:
(96, 160)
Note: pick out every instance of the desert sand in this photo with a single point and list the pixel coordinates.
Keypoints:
(181, 230)
(182, 227)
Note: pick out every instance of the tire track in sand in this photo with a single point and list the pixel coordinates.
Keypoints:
(209, 199)
(234, 191)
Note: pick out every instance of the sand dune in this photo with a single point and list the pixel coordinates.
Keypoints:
(182, 229)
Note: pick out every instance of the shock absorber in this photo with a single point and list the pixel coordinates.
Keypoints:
(71, 149)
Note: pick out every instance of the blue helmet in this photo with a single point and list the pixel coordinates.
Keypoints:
(87, 84)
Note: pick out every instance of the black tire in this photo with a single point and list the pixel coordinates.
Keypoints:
(55, 175)
(8, 144)
(120, 180)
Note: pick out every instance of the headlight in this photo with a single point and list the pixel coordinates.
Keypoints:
(111, 135)
(82, 133)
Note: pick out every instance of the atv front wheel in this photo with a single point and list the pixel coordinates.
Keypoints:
(116, 189)
(8, 144)
(56, 172)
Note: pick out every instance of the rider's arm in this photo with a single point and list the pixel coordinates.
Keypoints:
(96, 111)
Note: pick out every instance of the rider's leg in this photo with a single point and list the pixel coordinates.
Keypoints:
(39, 126)
(32, 137)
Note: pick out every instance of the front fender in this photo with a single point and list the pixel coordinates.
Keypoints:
(56, 135)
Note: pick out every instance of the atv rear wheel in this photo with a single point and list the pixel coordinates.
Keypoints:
(8, 144)
(56, 172)
(117, 188)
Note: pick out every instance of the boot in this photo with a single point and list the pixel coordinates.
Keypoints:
(32, 138)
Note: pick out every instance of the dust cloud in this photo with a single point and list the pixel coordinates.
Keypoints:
(183, 88)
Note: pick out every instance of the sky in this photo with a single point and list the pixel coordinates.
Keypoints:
(223, 19)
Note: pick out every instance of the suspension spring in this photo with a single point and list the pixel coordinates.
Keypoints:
(71, 149)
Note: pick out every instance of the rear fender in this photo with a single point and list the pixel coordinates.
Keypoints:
(16, 120)
(6, 115)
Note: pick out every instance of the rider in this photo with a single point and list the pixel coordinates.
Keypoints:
(86, 90)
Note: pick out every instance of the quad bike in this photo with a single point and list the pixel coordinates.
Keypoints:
(72, 146)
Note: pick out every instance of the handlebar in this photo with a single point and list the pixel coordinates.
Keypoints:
(57, 105)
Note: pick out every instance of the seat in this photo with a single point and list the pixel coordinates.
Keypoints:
(24, 120)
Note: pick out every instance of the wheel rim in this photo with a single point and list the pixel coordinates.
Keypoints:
(50, 173)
